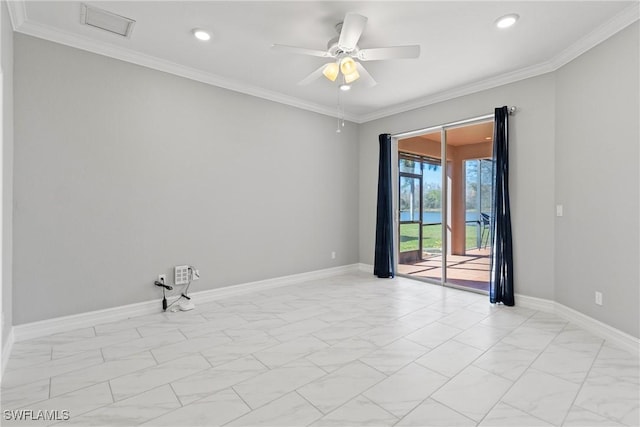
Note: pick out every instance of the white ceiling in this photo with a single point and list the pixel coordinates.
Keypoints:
(462, 50)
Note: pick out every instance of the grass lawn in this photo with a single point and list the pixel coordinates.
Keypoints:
(431, 236)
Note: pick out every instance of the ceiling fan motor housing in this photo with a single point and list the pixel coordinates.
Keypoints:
(336, 52)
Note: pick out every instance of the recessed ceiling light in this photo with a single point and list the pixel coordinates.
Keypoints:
(507, 21)
(345, 87)
(201, 34)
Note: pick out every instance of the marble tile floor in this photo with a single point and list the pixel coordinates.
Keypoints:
(351, 350)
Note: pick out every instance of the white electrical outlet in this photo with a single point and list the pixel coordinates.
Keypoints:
(559, 210)
(598, 298)
(333, 255)
(162, 278)
(181, 275)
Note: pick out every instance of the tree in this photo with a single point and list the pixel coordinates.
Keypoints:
(432, 197)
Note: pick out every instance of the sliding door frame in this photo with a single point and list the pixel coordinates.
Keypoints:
(443, 128)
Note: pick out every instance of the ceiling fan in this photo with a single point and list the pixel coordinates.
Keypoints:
(345, 54)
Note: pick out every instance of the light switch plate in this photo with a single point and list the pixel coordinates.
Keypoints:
(598, 298)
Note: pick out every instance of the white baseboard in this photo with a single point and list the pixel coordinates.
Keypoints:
(534, 303)
(596, 327)
(68, 323)
(56, 325)
(6, 352)
(260, 285)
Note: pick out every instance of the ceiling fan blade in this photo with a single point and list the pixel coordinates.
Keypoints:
(396, 52)
(352, 29)
(313, 76)
(300, 50)
(365, 76)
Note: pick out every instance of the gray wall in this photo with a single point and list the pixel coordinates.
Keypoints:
(597, 181)
(531, 172)
(122, 172)
(7, 169)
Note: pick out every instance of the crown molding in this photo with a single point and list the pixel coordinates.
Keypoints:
(17, 13)
(128, 55)
(459, 91)
(616, 24)
(20, 23)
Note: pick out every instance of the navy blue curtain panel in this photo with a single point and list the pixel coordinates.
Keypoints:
(501, 286)
(383, 265)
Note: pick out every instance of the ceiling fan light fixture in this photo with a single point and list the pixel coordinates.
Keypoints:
(507, 21)
(351, 77)
(201, 34)
(347, 65)
(331, 71)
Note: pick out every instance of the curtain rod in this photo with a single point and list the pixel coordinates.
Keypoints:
(511, 110)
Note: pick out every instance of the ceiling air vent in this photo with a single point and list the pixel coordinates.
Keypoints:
(107, 21)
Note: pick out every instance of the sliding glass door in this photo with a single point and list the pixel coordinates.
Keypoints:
(445, 205)
(410, 219)
(420, 205)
